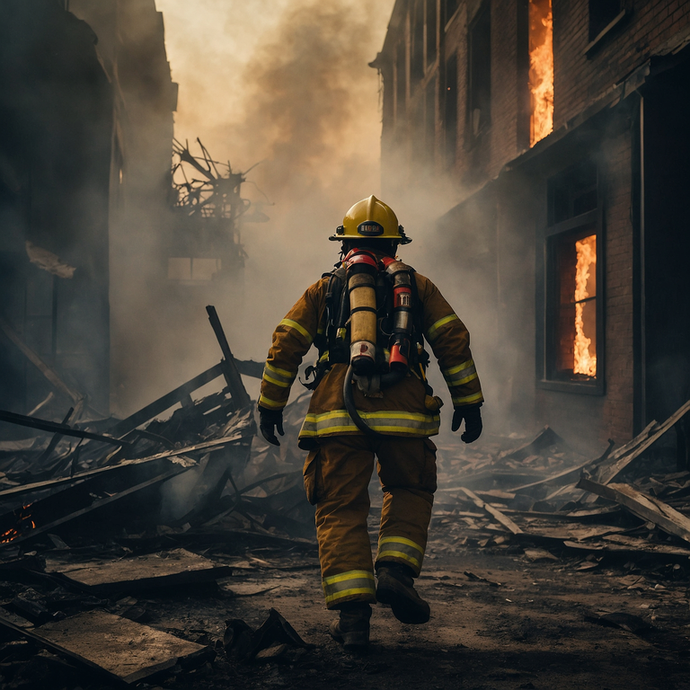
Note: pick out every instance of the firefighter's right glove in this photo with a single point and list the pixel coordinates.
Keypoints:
(269, 422)
(473, 422)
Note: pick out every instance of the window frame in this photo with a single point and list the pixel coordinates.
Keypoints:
(548, 290)
(471, 138)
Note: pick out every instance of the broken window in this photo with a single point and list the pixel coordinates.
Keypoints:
(540, 69)
(431, 43)
(601, 14)
(479, 72)
(573, 280)
(450, 104)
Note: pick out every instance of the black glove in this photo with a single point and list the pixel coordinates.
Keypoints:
(473, 422)
(269, 421)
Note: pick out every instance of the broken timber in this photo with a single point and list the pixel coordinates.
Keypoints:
(57, 428)
(619, 460)
(494, 512)
(643, 506)
(169, 569)
(122, 649)
(248, 368)
(230, 372)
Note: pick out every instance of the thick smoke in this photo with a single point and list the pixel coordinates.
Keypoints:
(300, 97)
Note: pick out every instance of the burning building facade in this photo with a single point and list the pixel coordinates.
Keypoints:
(560, 130)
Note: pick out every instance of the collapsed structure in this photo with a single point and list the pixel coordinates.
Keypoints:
(560, 129)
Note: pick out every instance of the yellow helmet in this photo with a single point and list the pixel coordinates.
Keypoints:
(373, 219)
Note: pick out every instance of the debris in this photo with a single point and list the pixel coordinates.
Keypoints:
(275, 634)
(124, 650)
(645, 507)
(172, 568)
(536, 555)
(494, 512)
(477, 578)
(624, 621)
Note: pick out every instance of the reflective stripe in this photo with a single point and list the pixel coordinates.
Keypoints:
(279, 377)
(272, 404)
(431, 333)
(346, 584)
(298, 327)
(401, 547)
(463, 373)
(393, 422)
(469, 399)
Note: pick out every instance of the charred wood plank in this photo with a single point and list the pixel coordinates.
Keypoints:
(230, 371)
(168, 569)
(619, 461)
(494, 512)
(117, 647)
(57, 428)
(643, 506)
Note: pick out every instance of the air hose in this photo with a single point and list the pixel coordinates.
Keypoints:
(349, 398)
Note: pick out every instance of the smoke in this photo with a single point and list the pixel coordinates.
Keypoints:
(287, 84)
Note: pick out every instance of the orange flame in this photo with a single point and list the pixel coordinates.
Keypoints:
(24, 524)
(584, 362)
(541, 70)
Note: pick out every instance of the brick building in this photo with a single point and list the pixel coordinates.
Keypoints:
(560, 132)
(86, 103)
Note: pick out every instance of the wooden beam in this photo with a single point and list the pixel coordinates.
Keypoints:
(643, 506)
(494, 512)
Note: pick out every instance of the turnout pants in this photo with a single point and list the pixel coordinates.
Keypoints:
(336, 479)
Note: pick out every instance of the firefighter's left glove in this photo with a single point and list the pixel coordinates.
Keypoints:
(269, 422)
(473, 422)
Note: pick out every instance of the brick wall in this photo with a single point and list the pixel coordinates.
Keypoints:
(579, 78)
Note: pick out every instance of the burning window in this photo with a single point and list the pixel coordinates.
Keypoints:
(540, 69)
(576, 319)
(573, 301)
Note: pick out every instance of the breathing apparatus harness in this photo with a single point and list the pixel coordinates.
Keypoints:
(373, 323)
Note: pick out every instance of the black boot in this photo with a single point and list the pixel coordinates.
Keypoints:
(352, 628)
(395, 586)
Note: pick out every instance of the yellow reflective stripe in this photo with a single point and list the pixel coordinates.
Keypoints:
(324, 356)
(267, 402)
(275, 382)
(401, 547)
(393, 422)
(453, 382)
(431, 333)
(298, 327)
(459, 368)
(281, 372)
(348, 584)
(469, 399)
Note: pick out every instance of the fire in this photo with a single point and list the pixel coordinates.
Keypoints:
(24, 524)
(584, 362)
(541, 69)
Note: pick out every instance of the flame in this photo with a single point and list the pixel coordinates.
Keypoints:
(541, 71)
(583, 361)
(24, 524)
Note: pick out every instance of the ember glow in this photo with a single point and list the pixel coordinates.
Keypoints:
(541, 69)
(24, 524)
(585, 358)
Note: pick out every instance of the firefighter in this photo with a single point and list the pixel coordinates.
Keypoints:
(369, 319)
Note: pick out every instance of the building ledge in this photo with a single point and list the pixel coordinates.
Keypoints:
(598, 40)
